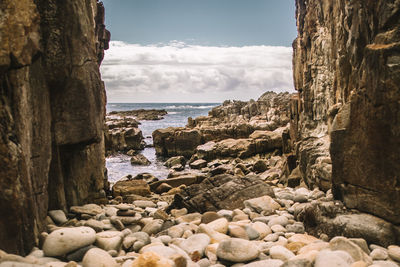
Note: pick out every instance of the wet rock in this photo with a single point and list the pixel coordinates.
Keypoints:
(139, 159)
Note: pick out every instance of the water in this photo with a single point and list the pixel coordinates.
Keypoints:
(119, 165)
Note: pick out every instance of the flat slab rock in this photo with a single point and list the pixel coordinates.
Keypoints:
(221, 192)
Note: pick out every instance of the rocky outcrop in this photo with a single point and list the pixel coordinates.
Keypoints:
(122, 134)
(233, 119)
(346, 70)
(52, 104)
(142, 114)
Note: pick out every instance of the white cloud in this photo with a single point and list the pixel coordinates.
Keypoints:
(177, 72)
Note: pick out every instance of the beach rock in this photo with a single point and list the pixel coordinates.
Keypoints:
(342, 243)
(90, 209)
(109, 240)
(176, 141)
(237, 250)
(262, 263)
(220, 192)
(78, 254)
(153, 227)
(175, 161)
(219, 225)
(209, 216)
(195, 245)
(260, 166)
(394, 252)
(139, 159)
(379, 254)
(58, 216)
(327, 258)
(262, 204)
(63, 241)
(95, 225)
(96, 257)
(136, 187)
(151, 259)
(198, 164)
(280, 253)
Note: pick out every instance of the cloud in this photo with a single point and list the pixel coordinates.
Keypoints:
(177, 72)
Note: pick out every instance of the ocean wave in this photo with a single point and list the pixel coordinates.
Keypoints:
(189, 107)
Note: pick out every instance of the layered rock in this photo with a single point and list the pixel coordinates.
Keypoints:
(233, 119)
(52, 112)
(346, 70)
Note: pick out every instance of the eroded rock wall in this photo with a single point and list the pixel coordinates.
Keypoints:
(347, 74)
(52, 104)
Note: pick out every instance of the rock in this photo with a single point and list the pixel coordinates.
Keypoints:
(262, 263)
(215, 236)
(151, 259)
(303, 238)
(237, 250)
(260, 166)
(238, 232)
(219, 225)
(297, 228)
(65, 240)
(328, 258)
(109, 240)
(198, 164)
(209, 216)
(342, 243)
(277, 228)
(95, 225)
(162, 188)
(195, 245)
(252, 233)
(96, 257)
(379, 254)
(280, 253)
(281, 220)
(262, 229)
(136, 187)
(220, 192)
(153, 227)
(384, 264)
(298, 263)
(144, 204)
(176, 141)
(179, 212)
(262, 204)
(91, 209)
(175, 161)
(58, 216)
(394, 252)
(139, 159)
(316, 246)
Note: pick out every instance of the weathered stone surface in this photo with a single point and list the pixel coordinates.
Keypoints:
(220, 192)
(125, 188)
(51, 112)
(346, 72)
(237, 250)
(66, 240)
(176, 141)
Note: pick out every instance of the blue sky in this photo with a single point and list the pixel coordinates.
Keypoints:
(198, 50)
(204, 22)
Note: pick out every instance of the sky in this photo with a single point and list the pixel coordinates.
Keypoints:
(198, 50)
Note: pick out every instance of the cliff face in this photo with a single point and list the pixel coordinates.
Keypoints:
(52, 104)
(347, 72)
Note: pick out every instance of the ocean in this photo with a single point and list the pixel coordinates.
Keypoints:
(119, 165)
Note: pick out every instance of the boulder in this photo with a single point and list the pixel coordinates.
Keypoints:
(139, 159)
(198, 164)
(220, 192)
(136, 187)
(237, 250)
(96, 257)
(65, 240)
(175, 161)
(176, 141)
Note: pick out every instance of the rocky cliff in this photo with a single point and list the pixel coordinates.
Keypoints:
(52, 104)
(347, 74)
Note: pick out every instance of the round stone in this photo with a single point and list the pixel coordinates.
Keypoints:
(237, 250)
(96, 257)
(65, 240)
